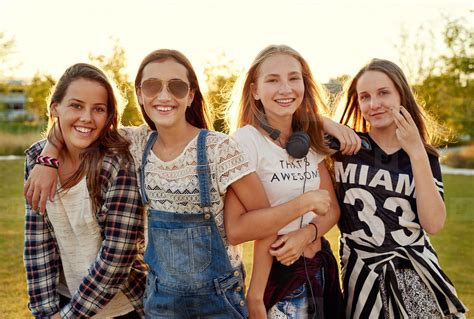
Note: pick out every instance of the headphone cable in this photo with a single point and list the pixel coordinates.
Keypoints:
(306, 164)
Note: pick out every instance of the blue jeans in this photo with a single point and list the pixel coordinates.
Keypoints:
(295, 305)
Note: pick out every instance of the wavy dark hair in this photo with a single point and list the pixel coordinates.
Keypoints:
(198, 113)
(110, 142)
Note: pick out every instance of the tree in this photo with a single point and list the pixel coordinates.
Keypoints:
(448, 94)
(221, 75)
(37, 94)
(115, 66)
(443, 82)
(6, 50)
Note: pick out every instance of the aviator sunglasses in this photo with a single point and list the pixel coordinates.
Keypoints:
(153, 87)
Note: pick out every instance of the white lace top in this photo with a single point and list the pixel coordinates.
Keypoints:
(173, 185)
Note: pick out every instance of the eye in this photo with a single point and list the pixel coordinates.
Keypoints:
(75, 105)
(384, 92)
(100, 109)
(295, 78)
(271, 80)
(363, 97)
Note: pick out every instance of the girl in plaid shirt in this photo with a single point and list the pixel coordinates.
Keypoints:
(84, 257)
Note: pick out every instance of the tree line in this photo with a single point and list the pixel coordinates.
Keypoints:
(442, 82)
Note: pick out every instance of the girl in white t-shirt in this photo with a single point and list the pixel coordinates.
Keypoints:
(280, 97)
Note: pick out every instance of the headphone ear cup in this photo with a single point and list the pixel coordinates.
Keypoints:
(298, 144)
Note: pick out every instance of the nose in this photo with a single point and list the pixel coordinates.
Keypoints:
(86, 116)
(164, 94)
(375, 103)
(284, 87)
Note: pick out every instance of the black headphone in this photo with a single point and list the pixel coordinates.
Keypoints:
(298, 143)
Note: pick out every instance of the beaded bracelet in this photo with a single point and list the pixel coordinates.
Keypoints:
(316, 228)
(47, 161)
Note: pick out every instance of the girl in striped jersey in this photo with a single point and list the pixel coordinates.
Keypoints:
(391, 196)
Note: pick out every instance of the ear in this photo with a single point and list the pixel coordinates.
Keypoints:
(190, 97)
(253, 91)
(139, 96)
(53, 112)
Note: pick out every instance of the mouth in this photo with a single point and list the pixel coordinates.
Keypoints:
(377, 114)
(163, 108)
(285, 102)
(86, 131)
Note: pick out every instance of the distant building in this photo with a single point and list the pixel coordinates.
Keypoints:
(13, 101)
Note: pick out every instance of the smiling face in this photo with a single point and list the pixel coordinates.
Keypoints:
(164, 108)
(279, 86)
(376, 94)
(82, 113)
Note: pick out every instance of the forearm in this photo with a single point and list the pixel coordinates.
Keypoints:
(262, 264)
(429, 203)
(269, 221)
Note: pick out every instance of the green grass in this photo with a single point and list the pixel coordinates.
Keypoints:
(454, 244)
(15, 137)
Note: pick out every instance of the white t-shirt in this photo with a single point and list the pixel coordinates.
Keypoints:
(282, 176)
(174, 186)
(79, 240)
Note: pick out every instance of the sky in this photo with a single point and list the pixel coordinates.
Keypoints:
(335, 36)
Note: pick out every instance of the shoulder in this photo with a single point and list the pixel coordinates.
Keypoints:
(117, 164)
(133, 133)
(248, 131)
(35, 150)
(137, 136)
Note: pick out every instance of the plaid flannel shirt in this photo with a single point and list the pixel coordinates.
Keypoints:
(119, 263)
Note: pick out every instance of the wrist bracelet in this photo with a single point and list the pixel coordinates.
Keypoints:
(316, 228)
(47, 161)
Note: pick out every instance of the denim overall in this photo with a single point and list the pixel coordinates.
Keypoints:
(190, 273)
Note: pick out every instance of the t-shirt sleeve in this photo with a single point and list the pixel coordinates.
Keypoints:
(137, 136)
(231, 163)
(436, 170)
(246, 142)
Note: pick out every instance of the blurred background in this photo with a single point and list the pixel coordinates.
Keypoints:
(432, 41)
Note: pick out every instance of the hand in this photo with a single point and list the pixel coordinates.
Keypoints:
(40, 186)
(256, 308)
(317, 201)
(56, 316)
(347, 137)
(407, 132)
(288, 248)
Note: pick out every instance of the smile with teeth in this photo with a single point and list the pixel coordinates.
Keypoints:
(284, 101)
(83, 129)
(164, 108)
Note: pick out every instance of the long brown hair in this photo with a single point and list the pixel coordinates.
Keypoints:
(110, 142)
(351, 115)
(197, 114)
(306, 118)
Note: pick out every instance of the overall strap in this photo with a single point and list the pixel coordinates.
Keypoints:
(148, 146)
(203, 170)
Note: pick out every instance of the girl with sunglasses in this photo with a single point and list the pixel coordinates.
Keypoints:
(84, 258)
(278, 110)
(389, 267)
(185, 172)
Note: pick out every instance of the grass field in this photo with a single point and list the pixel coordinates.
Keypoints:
(454, 244)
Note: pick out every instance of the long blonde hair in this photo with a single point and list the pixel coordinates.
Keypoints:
(306, 118)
